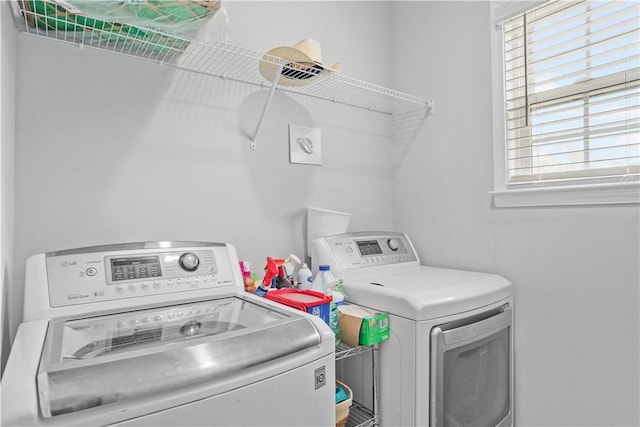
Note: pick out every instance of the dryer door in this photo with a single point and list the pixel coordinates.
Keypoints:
(471, 371)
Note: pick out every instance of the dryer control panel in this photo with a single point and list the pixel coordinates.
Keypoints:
(112, 272)
(364, 249)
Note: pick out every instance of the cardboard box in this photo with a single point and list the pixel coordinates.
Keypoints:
(362, 326)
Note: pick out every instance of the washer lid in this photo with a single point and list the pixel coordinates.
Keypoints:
(423, 293)
(119, 357)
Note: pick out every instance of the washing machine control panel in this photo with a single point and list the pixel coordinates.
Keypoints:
(357, 250)
(108, 273)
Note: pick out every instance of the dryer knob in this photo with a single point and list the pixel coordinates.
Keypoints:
(189, 262)
(393, 244)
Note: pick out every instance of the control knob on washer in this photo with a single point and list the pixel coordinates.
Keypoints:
(393, 244)
(189, 261)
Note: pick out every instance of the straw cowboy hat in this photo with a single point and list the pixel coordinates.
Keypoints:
(303, 63)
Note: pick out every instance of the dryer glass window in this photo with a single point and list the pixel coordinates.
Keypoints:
(471, 369)
(476, 383)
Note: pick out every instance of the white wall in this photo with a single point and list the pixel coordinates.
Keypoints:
(123, 150)
(576, 270)
(7, 150)
(113, 149)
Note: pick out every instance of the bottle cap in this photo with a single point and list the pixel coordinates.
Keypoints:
(324, 268)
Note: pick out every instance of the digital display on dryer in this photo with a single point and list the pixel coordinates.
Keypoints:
(369, 247)
(133, 268)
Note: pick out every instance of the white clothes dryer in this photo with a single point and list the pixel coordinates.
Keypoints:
(162, 333)
(449, 358)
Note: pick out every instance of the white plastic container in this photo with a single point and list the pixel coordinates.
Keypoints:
(323, 279)
(323, 222)
(304, 277)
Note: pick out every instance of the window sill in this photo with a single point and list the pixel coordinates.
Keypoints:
(574, 195)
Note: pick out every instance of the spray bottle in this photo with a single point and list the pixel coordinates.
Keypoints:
(270, 272)
(290, 264)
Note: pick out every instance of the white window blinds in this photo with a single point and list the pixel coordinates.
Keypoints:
(572, 91)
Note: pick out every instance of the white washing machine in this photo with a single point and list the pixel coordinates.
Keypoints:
(162, 333)
(449, 357)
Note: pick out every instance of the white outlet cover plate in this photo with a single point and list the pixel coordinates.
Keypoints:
(305, 145)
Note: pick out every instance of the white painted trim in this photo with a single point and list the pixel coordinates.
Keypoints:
(2, 215)
(498, 108)
(503, 10)
(569, 195)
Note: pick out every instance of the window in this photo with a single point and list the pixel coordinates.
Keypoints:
(570, 101)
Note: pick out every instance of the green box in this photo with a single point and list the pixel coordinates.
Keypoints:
(362, 326)
(374, 329)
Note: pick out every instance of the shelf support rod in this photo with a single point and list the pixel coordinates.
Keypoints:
(429, 109)
(274, 85)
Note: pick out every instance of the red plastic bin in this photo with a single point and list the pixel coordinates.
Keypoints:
(312, 302)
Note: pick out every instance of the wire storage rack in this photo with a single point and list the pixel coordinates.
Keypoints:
(361, 415)
(48, 19)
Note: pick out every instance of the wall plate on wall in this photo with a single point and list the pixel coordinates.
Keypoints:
(305, 145)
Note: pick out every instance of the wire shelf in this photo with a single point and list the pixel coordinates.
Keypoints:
(223, 60)
(343, 350)
(361, 416)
